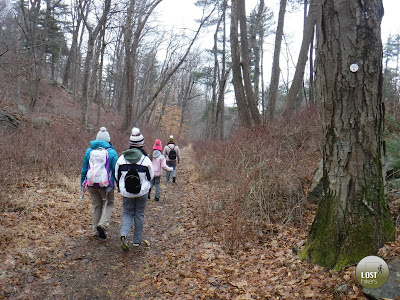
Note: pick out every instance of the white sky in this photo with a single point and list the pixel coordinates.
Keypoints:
(182, 13)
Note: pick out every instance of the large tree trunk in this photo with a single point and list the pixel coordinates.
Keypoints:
(274, 84)
(353, 219)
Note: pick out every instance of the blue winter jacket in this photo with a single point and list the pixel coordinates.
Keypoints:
(112, 156)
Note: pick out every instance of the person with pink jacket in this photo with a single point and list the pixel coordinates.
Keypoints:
(159, 163)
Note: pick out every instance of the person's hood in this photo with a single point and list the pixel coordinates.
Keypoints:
(132, 155)
(156, 153)
(99, 144)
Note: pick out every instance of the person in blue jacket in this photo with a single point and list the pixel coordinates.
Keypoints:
(101, 193)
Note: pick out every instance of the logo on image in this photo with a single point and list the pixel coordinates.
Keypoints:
(372, 272)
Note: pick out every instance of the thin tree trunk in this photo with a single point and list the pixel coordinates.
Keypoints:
(220, 113)
(245, 63)
(185, 100)
(88, 61)
(74, 44)
(167, 77)
(308, 36)
(244, 114)
(131, 48)
(275, 74)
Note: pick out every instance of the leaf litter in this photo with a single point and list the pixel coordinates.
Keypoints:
(47, 251)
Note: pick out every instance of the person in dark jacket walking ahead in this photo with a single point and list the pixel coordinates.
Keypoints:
(173, 156)
(134, 203)
(101, 191)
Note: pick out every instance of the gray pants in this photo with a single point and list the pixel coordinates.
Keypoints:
(156, 182)
(101, 216)
(133, 213)
(171, 163)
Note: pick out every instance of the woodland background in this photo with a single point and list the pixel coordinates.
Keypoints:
(68, 68)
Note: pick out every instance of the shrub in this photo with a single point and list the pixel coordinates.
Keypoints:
(269, 169)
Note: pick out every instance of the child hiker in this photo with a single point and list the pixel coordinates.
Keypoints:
(97, 175)
(133, 173)
(159, 163)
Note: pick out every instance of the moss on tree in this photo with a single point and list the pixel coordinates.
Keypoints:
(336, 242)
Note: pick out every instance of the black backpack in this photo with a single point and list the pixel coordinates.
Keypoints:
(172, 153)
(132, 181)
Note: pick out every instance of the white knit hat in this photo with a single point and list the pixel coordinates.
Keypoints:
(103, 135)
(136, 139)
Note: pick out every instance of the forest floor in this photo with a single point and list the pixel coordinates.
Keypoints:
(49, 253)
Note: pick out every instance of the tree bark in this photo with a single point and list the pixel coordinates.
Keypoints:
(131, 48)
(245, 63)
(353, 219)
(274, 84)
(240, 95)
(72, 52)
(308, 36)
(88, 61)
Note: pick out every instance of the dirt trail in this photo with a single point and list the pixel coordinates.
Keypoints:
(99, 269)
(46, 251)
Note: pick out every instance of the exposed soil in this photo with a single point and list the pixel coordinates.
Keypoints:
(47, 251)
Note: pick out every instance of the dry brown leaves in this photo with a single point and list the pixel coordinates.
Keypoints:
(47, 252)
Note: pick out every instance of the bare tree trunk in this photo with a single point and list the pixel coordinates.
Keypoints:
(244, 113)
(34, 47)
(308, 36)
(188, 90)
(274, 84)
(72, 52)
(88, 61)
(245, 63)
(169, 74)
(353, 219)
(214, 82)
(131, 43)
(256, 46)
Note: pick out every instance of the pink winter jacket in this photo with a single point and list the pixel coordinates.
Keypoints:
(159, 163)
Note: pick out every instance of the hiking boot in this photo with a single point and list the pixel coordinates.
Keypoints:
(173, 179)
(102, 232)
(124, 244)
(156, 199)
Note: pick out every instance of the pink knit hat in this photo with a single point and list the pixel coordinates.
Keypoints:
(157, 145)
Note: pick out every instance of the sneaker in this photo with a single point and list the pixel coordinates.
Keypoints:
(136, 244)
(156, 199)
(102, 232)
(173, 179)
(124, 244)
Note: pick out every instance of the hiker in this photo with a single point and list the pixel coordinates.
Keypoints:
(133, 173)
(173, 156)
(97, 175)
(159, 163)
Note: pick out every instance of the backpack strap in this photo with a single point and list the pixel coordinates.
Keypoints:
(139, 167)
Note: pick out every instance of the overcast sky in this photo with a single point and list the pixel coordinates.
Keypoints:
(182, 13)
